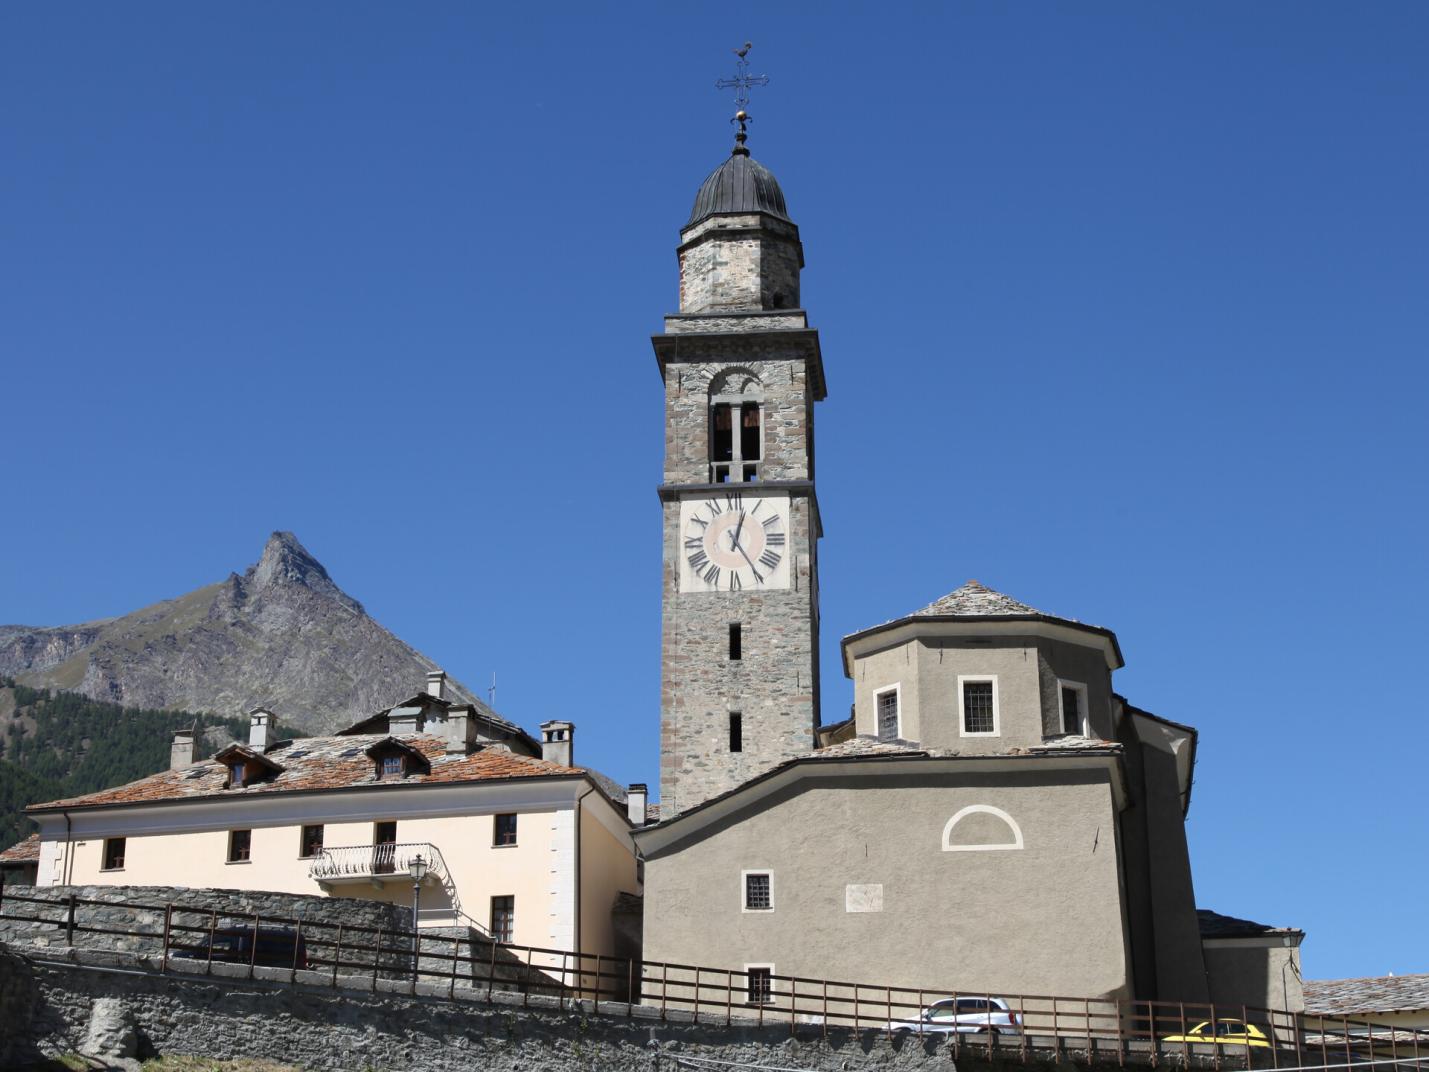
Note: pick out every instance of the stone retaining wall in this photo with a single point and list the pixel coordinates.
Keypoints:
(46, 1002)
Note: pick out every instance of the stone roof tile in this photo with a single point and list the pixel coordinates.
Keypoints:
(976, 600)
(1215, 925)
(324, 763)
(1380, 994)
(27, 851)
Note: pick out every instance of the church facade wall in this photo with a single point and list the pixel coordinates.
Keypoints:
(1042, 918)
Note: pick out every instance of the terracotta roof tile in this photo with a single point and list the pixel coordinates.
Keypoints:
(311, 763)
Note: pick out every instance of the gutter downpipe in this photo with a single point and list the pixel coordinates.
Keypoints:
(68, 872)
(579, 951)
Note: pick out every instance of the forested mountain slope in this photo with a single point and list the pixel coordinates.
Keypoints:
(61, 744)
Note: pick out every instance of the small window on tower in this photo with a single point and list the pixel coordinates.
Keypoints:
(1073, 699)
(736, 642)
(886, 704)
(721, 442)
(736, 732)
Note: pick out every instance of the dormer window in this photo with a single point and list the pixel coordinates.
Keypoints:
(395, 759)
(246, 766)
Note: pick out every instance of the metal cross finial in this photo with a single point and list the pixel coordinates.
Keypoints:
(742, 83)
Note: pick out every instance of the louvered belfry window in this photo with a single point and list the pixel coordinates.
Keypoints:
(977, 707)
(736, 442)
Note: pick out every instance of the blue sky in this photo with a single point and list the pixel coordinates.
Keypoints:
(1122, 307)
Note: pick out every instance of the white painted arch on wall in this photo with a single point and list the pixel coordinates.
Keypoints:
(985, 809)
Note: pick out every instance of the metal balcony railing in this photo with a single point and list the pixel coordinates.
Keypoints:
(386, 860)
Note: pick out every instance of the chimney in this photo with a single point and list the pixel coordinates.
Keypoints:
(461, 730)
(181, 752)
(557, 741)
(262, 729)
(635, 799)
(404, 721)
(437, 684)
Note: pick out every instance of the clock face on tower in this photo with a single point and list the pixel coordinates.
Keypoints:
(734, 542)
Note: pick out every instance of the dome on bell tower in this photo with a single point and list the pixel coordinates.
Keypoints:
(740, 185)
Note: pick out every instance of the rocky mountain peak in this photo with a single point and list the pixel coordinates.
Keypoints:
(285, 561)
(281, 633)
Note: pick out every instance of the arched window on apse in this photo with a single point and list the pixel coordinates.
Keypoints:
(736, 427)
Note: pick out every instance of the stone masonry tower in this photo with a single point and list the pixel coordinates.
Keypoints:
(742, 371)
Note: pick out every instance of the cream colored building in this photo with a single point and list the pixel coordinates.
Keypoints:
(528, 847)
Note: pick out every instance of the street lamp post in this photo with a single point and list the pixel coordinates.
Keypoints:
(417, 868)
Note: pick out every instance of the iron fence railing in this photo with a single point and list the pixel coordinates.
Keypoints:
(188, 938)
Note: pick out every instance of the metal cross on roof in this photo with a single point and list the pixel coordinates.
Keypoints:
(743, 81)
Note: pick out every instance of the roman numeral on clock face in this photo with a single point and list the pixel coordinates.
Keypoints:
(711, 575)
(694, 543)
(770, 522)
(735, 584)
(774, 539)
(698, 561)
(769, 559)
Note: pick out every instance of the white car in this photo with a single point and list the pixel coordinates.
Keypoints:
(963, 1016)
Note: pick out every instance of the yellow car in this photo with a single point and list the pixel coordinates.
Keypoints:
(1223, 1033)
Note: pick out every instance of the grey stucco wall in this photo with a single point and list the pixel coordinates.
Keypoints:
(1165, 933)
(1260, 973)
(1043, 919)
(1028, 669)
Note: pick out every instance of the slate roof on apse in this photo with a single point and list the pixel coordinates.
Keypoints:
(1215, 925)
(310, 763)
(976, 600)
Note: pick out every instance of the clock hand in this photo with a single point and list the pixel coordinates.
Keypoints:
(757, 575)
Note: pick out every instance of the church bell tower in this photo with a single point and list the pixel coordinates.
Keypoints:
(742, 371)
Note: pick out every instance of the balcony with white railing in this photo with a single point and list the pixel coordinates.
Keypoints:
(378, 864)
(345, 869)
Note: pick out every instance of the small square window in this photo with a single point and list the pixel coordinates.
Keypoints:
(235, 774)
(240, 846)
(503, 918)
(389, 767)
(312, 841)
(759, 984)
(114, 854)
(758, 891)
(505, 830)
